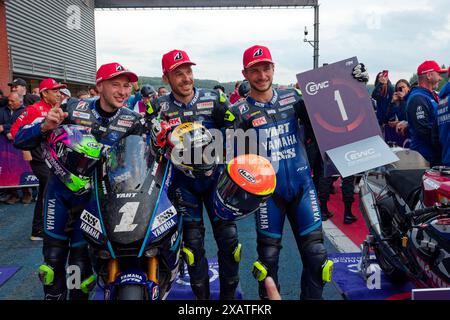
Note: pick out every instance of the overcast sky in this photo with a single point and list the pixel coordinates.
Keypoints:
(394, 35)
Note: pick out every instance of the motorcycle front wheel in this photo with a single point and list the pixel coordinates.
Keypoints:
(131, 292)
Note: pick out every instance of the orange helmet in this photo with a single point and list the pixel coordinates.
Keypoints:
(247, 182)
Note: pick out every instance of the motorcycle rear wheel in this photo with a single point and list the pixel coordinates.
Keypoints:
(131, 292)
(393, 273)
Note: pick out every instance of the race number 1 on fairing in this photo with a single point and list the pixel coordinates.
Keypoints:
(343, 118)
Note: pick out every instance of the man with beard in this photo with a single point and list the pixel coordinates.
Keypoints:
(274, 115)
(109, 122)
(189, 104)
(421, 109)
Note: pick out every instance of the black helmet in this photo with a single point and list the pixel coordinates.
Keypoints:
(244, 89)
(189, 141)
(148, 90)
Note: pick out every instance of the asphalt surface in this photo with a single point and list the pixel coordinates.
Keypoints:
(17, 250)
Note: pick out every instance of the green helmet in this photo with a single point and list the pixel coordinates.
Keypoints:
(72, 152)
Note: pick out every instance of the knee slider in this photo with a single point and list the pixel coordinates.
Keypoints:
(237, 252)
(193, 236)
(259, 271)
(46, 274)
(227, 239)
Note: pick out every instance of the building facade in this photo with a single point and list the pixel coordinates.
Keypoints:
(49, 38)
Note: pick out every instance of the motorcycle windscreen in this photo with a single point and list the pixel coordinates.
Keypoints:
(129, 190)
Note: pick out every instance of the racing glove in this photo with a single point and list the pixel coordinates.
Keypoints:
(159, 132)
(360, 73)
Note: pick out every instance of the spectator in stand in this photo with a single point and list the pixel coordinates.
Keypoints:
(421, 112)
(7, 117)
(92, 92)
(35, 92)
(3, 100)
(382, 94)
(20, 86)
(65, 95)
(51, 98)
(396, 112)
(234, 96)
(162, 91)
(83, 95)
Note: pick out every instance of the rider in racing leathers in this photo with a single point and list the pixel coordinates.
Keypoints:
(274, 115)
(62, 236)
(189, 104)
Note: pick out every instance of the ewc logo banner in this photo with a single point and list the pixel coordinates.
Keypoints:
(341, 114)
(14, 171)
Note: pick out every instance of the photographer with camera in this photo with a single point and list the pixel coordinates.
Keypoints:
(382, 94)
(396, 113)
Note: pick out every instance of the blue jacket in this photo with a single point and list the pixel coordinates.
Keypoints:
(421, 111)
(7, 118)
(383, 101)
(443, 122)
(445, 91)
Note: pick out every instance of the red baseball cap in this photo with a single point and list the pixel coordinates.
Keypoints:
(429, 66)
(256, 54)
(50, 84)
(112, 70)
(174, 59)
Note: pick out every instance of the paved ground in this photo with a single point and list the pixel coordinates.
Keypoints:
(17, 250)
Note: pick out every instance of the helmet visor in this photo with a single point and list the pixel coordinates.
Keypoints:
(236, 198)
(77, 163)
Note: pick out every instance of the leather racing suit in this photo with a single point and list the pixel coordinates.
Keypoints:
(62, 234)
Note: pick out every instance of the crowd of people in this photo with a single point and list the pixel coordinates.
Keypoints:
(409, 115)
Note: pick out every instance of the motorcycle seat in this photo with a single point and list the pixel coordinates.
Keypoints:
(406, 183)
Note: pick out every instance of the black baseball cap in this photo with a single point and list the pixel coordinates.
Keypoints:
(18, 82)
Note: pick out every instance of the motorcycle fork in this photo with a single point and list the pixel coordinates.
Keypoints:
(113, 270)
(152, 272)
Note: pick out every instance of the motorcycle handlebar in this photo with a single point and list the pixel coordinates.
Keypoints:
(423, 211)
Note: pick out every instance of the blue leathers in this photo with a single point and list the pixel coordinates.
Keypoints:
(421, 111)
(443, 122)
(189, 195)
(279, 139)
(62, 207)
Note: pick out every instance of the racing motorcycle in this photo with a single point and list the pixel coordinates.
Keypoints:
(133, 230)
(406, 208)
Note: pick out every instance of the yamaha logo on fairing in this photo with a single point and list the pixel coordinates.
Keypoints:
(313, 88)
(258, 53)
(178, 56)
(247, 176)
